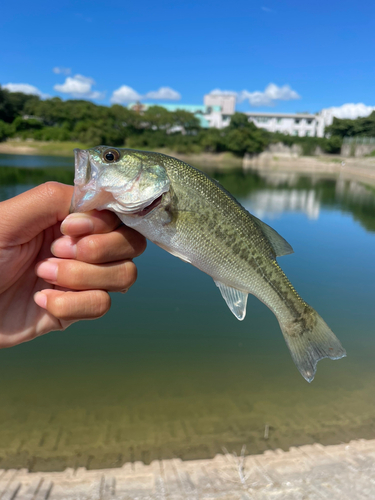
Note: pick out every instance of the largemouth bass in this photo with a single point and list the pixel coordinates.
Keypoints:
(193, 217)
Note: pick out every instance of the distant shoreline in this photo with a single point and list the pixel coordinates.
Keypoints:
(39, 148)
(220, 160)
(264, 163)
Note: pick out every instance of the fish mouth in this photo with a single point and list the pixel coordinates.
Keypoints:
(147, 209)
(94, 191)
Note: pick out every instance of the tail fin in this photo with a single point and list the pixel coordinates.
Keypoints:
(309, 340)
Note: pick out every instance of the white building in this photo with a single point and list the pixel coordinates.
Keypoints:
(300, 124)
(221, 108)
(218, 109)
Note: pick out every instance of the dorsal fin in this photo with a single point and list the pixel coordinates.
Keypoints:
(235, 299)
(280, 246)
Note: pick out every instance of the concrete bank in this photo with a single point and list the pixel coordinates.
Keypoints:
(347, 168)
(312, 472)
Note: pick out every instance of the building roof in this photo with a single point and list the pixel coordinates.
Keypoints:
(281, 115)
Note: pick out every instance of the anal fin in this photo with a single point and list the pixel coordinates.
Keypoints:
(235, 299)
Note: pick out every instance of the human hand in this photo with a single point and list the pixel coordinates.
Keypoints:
(54, 274)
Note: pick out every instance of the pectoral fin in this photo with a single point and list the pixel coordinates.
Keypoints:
(235, 299)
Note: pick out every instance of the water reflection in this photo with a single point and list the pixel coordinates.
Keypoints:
(169, 372)
(272, 204)
(35, 161)
(273, 195)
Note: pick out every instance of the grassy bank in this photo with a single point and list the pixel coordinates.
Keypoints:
(50, 148)
(54, 148)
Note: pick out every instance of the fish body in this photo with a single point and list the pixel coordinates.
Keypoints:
(193, 217)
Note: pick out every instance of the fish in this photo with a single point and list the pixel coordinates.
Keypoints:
(191, 216)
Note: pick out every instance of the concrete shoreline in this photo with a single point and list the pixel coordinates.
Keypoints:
(311, 472)
(359, 169)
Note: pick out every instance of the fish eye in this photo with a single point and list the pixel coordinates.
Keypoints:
(111, 155)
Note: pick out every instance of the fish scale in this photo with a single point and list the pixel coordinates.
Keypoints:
(193, 217)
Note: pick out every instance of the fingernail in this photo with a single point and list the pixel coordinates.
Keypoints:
(75, 224)
(40, 299)
(47, 270)
(65, 248)
(124, 290)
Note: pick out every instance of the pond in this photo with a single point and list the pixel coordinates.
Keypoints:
(169, 371)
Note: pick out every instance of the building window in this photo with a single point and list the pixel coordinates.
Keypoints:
(278, 120)
(309, 122)
(262, 119)
(295, 132)
(297, 120)
(308, 133)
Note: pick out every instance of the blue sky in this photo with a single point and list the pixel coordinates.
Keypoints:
(323, 51)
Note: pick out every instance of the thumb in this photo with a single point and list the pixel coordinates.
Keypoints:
(30, 213)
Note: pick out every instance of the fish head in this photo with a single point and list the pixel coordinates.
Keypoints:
(125, 181)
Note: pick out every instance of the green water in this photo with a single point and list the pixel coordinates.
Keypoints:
(170, 372)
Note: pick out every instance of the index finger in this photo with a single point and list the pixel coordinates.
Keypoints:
(93, 222)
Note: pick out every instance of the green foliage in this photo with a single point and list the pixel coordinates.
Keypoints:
(240, 121)
(24, 127)
(245, 140)
(5, 130)
(159, 139)
(333, 144)
(242, 136)
(12, 104)
(212, 140)
(309, 145)
(350, 128)
(186, 120)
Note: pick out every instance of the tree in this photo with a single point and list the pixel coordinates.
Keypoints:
(212, 140)
(364, 126)
(243, 136)
(188, 121)
(157, 118)
(240, 120)
(4, 130)
(12, 104)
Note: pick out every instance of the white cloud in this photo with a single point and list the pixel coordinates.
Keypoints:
(125, 95)
(79, 86)
(349, 110)
(25, 88)
(163, 93)
(61, 71)
(223, 92)
(268, 97)
(267, 9)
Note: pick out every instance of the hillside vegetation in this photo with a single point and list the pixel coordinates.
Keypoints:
(29, 117)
